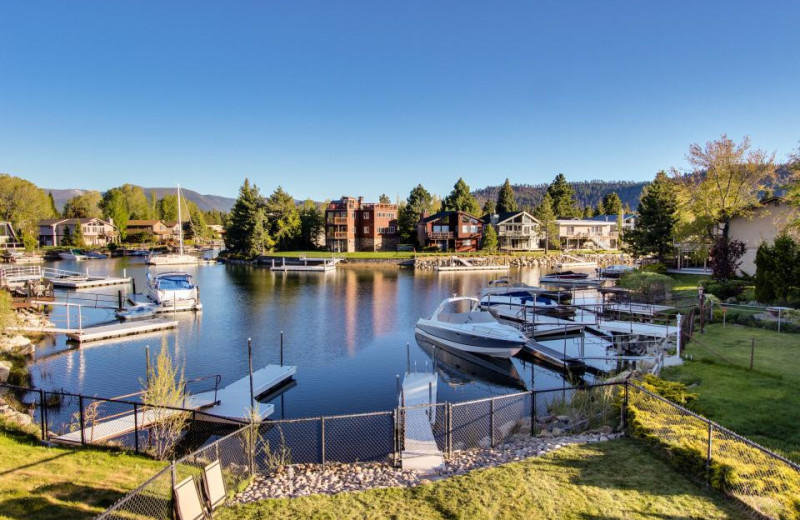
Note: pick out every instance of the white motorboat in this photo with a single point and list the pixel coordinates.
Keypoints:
(518, 298)
(473, 331)
(569, 278)
(139, 311)
(173, 291)
(72, 254)
(171, 258)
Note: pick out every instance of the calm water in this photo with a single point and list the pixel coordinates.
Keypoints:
(345, 331)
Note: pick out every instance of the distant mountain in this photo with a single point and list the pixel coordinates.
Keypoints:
(586, 192)
(204, 202)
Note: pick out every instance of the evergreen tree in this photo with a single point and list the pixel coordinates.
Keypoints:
(384, 199)
(53, 208)
(611, 204)
(655, 229)
(284, 219)
(418, 202)
(600, 209)
(489, 208)
(77, 238)
(588, 212)
(778, 271)
(460, 199)
(260, 240)
(312, 225)
(547, 218)
(505, 199)
(564, 203)
(489, 239)
(242, 221)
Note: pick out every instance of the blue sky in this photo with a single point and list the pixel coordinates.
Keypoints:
(348, 97)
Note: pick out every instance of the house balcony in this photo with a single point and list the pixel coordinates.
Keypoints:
(440, 236)
(518, 234)
(590, 235)
(342, 235)
(340, 221)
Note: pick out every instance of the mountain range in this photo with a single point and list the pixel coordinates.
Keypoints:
(204, 202)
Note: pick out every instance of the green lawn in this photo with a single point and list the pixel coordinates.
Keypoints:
(620, 479)
(60, 483)
(762, 404)
(688, 281)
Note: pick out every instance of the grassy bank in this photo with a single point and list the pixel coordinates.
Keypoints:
(688, 281)
(762, 404)
(618, 479)
(59, 483)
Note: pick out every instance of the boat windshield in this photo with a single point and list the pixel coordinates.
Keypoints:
(174, 283)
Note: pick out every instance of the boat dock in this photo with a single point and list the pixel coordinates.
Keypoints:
(233, 401)
(554, 358)
(538, 326)
(654, 330)
(18, 275)
(228, 404)
(420, 451)
(308, 264)
(461, 264)
(105, 331)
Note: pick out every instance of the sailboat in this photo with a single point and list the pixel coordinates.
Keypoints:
(172, 258)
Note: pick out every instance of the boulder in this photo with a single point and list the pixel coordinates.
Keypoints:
(5, 371)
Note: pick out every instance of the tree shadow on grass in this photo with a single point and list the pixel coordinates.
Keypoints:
(52, 502)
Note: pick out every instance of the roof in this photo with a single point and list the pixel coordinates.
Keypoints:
(585, 222)
(440, 214)
(502, 217)
(142, 222)
(52, 221)
(611, 218)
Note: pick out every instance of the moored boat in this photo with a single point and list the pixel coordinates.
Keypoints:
(173, 291)
(473, 331)
(139, 311)
(614, 271)
(72, 254)
(94, 255)
(171, 258)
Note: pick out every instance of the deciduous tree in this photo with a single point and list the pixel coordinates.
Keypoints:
(85, 205)
(312, 225)
(23, 204)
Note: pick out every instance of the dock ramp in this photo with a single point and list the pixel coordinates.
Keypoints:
(420, 451)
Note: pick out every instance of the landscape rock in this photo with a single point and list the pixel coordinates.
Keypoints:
(5, 371)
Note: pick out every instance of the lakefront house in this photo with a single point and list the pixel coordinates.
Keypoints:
(450, 231)
(96, 232)
(516, 231)
(354, 225)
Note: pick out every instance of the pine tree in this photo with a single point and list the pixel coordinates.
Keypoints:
(489, 208)
(547, 218)
(53, 208)
(460, 199)
(312, 225)
(419, 201)
(384, 199)
(489, 239)
(588, 212)
(611, 204)
(505, 199)
(564, 203)
(239, 231)
(284, 219)
(655, 228)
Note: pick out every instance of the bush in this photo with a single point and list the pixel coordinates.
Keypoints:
(674, 391)
(649, 286)
(657, 268)
(724, 289)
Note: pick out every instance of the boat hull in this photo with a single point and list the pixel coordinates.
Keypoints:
(495, 347)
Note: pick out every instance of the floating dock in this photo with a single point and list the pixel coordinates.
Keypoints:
(17, 275)
(461, 264)
(87, 282)
(554, 358)
(420, 451)
(233, 401)
(315, 265)
(118, 330)
(640, 309)
(603, 327)
(538, 326)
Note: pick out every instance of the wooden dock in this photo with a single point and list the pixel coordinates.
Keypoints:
(603, 327)
(308, 265)
(458, 264)
(233, 401)
(420, 451)
(88, 282)
(115, 330)
(538, 326)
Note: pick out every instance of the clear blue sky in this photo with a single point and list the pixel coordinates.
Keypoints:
(349, 97)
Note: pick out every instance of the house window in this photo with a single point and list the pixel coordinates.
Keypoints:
(467, 242)
(366, 216)
(366, 229)
(392, 229)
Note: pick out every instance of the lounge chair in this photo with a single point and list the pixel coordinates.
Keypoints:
(188, 505)
(214, 485)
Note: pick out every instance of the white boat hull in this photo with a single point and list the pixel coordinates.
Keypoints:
(499, 352)
(172, 260)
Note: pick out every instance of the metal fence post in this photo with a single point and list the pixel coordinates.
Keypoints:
(491, 422)
(81, 419)
(42, 415)
(533, 413)
(708, 452)
(450, 428)
(625, 408)
(174, 478)
(322, 439)
(394, 437)
(136, 427)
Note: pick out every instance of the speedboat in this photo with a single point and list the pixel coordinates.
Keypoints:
(473, 331)
(518, 298)
(173, 291)
(94, 255)
(137, 312)
(569, 278)
(504, 286)
(72, 254)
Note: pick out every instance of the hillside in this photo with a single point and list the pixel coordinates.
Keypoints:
(204, 202)
(587, 192)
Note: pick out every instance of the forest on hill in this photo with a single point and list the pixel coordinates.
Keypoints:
(587, 193)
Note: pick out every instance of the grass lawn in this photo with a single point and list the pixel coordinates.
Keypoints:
(617, 479)
(688, 281)
(59, 483)
(762, 404)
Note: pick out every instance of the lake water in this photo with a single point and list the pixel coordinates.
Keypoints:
(346, 331)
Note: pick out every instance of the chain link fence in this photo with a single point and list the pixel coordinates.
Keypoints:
(760, 479)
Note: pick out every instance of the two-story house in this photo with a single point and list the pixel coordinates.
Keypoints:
(588, 234)
(450, 230)
(516, 231)
(96, 232)
(152, 230)
(353, 225)
(8, 237)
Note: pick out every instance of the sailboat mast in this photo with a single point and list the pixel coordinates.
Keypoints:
(180, 222)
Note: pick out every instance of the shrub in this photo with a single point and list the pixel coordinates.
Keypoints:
(672, 390)
(657, 268)
(650, 286)
(724, 289)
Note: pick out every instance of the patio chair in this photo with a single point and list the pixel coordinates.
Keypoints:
(188, 505)
(214, 485)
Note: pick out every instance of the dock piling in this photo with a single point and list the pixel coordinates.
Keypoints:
(281, 348)
(250, 365)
